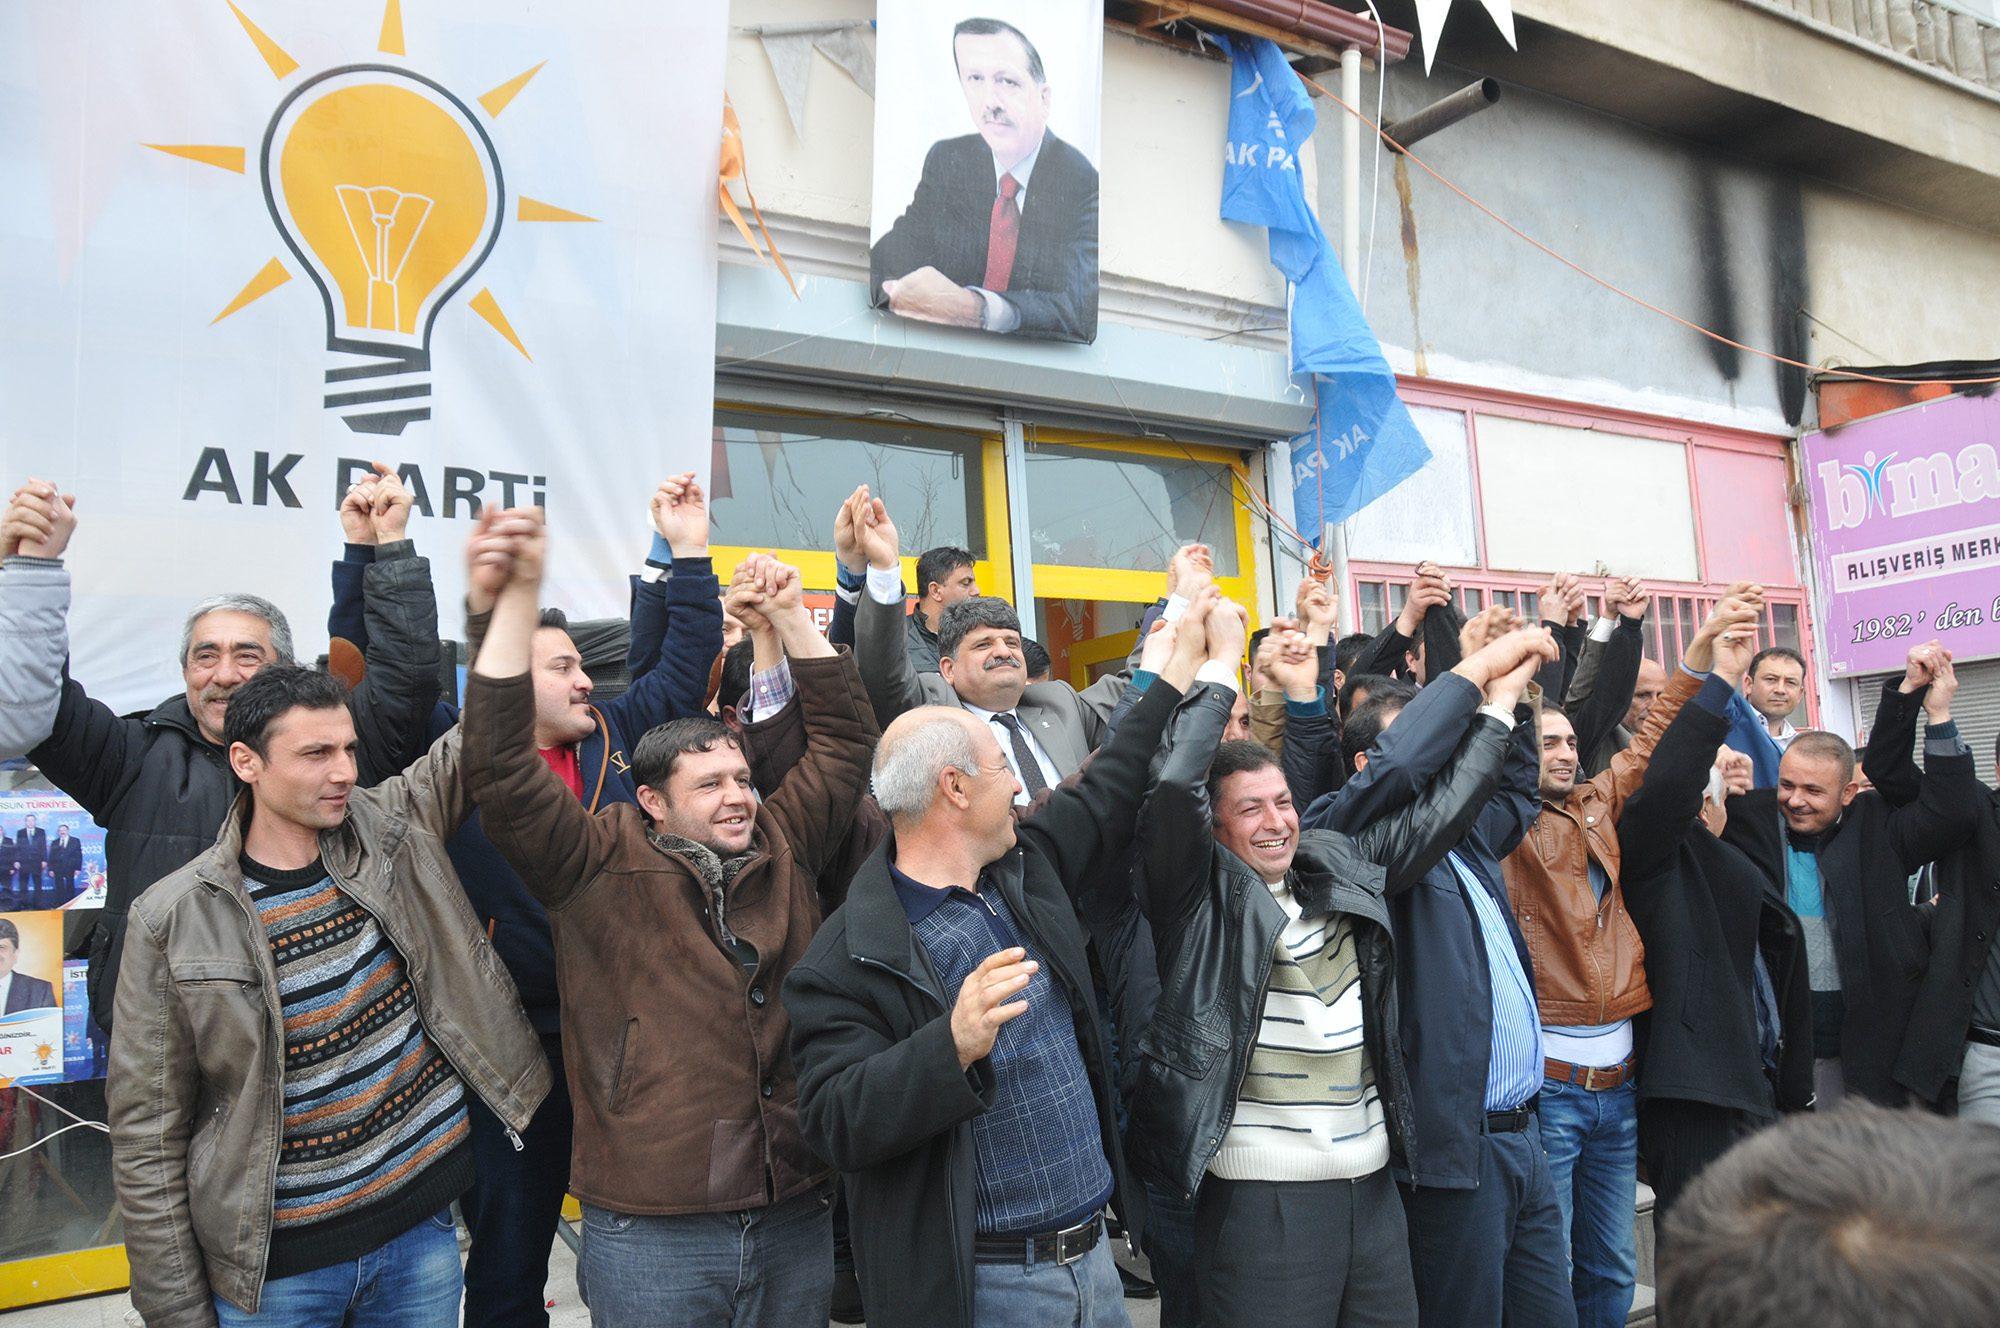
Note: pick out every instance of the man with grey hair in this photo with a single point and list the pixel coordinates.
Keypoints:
(949, 1048)
(1045, 729)
(160, 784)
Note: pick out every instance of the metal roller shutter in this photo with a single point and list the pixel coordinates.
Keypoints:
(1977, 710)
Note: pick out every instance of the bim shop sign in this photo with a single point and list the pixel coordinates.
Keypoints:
(1905, 516)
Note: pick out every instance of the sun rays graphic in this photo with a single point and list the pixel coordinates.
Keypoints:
(388, 192)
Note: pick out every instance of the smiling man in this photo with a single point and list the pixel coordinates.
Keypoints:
(1846, 855)
(674, 922)
(1045, 729)
(159, 784)
(305, 1013)
(1002, 232)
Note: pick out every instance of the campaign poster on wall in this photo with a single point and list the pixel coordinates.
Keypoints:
(249, 247)
(84, 1043)
(51, 852)
(987, 136)
(31, 1011)
(1905, 517)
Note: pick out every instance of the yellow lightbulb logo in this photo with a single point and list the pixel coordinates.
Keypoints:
(389, 191)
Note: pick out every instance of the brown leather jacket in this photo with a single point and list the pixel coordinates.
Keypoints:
(679, 1072)
(194, 1084)
(1590, 965)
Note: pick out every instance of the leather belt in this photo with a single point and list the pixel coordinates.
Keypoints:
(1593, 1078)
(1985, 1037)
(1050, 1247)
(1511, 1122)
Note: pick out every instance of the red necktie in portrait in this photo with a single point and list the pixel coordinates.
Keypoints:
(1003, 235)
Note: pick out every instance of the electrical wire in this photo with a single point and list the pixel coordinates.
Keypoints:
(1375, 187)
(79, 1125)
(1615, 289)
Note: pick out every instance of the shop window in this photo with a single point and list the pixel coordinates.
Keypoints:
(1127, 511)
(777, 481)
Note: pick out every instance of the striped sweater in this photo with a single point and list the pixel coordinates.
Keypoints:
(376, 1136)
(1308, 1109)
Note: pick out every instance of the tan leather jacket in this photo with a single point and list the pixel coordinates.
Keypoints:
(1590, 965)
(197, 1046)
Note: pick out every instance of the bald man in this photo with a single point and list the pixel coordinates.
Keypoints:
(949, 1048)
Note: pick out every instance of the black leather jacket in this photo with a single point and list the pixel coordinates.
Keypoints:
(1216, 925)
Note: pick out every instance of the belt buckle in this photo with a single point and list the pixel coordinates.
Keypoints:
(1063, 1255)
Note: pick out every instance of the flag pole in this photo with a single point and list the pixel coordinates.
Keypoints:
(1334, 543)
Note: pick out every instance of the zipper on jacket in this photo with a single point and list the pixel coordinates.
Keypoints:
(275, 1009)
(1236, 1090)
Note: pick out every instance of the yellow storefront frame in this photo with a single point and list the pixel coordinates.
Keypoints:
(64, 1276)
(1124, 585)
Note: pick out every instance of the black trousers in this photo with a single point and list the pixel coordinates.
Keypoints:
(1677, 1141)
(1493, 1255)
(1311, 1253)
(513, 1207)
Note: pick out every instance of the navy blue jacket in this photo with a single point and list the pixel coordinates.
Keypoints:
(1441, 975)
(676, 635)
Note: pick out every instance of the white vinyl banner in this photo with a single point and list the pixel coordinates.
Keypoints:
(248, 247)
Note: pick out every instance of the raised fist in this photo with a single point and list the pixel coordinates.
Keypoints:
(38, 522)
(680, 514)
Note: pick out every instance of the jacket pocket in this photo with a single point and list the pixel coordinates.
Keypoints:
(1181, 1046)
(621, 1069)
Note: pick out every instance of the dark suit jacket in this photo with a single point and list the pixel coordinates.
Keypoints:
(65, 858)
(29, 994)
(33, 847)
(1054, 282)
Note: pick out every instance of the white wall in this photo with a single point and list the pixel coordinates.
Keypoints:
(1557, 496)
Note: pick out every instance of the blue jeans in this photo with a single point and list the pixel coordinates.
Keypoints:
(1593, 1145)
(763, 1268)
(1084, 1294)
(411, 1282)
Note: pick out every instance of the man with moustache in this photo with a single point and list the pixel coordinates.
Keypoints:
(1045, 729)
(1002, 232)
(161, 784)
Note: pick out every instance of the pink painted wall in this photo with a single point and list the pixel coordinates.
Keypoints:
(1745, 522)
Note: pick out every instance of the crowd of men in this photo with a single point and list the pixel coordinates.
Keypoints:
(1356, 978)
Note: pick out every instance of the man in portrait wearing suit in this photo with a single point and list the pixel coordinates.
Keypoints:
(1002, 232)
(31, 847)
(18, 991)
(65, 862)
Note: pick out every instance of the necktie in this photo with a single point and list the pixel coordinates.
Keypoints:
(1025, 763)
(1003, 235)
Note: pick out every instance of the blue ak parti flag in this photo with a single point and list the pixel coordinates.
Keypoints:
(1363, 442)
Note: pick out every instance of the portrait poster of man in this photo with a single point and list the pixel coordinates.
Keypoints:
(31, 1017)
(51, 852)
(986, 151)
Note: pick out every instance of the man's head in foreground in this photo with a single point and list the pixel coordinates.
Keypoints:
(1251, 803)
(291, 741)
(1852, 1218)
(940, 771)
(980, 653)
(1816, 781)
(224, 641)
(694, 783)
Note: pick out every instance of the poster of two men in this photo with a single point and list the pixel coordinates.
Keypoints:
(986, 149)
